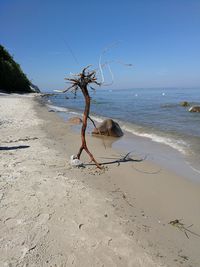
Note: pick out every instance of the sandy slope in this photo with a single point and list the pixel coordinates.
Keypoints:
(53, 215)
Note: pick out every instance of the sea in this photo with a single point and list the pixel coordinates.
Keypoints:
(154, 122)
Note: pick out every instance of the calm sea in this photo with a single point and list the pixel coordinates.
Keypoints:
(155, 114)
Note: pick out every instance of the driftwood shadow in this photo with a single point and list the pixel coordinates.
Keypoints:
(124, 159)
(7, 148)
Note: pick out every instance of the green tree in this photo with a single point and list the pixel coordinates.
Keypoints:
(12, 78)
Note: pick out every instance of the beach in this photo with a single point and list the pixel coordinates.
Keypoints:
(52, 214)
(151, 118)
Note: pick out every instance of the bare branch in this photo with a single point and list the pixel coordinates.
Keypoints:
(82, 80)
(83, 71)
(92, 121)
(71, 80)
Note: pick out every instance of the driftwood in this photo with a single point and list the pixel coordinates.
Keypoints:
(82, 81)
(183, 228)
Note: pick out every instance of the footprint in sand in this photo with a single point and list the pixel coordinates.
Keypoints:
(39, 230)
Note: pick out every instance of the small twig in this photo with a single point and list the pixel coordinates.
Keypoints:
(93, 122)
(124, 197)
(183, 228)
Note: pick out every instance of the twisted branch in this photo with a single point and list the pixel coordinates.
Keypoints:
(81, 81)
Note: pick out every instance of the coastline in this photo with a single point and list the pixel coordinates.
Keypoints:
(86, 217)
(148, 117)
(158, 150)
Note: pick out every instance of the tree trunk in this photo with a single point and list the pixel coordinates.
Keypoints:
(84, 126)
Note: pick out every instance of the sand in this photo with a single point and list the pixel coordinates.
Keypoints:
(54, 215)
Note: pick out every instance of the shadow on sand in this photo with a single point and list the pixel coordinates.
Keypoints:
(13, 147)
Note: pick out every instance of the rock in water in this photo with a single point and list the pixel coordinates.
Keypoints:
(109, 128)
(75, 120)
(195, 109)
(184, 104)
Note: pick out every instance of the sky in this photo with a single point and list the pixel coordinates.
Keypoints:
(50, 39)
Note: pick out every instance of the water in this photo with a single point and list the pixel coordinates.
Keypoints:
(152, 113)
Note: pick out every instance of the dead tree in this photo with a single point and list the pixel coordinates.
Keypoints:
(82, 81)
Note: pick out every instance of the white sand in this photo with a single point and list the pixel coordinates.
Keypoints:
(53, 215)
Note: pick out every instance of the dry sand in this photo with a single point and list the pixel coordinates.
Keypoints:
(55, 215)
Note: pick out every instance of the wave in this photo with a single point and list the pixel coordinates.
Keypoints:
(194, 169)
(98, 118)
(57, 108)
(178, 145)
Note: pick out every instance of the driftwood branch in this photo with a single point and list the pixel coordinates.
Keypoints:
(82, 81)
(92, 122)
(185, 229)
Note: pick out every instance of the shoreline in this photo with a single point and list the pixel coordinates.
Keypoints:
(148, 114)
(163, 154)
(85, 217)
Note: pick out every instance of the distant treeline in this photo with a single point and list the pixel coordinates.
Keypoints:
(12, 78)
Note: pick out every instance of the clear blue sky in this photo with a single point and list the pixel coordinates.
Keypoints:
(161, 38)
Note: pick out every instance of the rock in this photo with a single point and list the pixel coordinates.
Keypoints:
(194, 109)
(34, 88)
(47, 94)
(75, 162)
(108, 127)
(184, 104)
(75, 120)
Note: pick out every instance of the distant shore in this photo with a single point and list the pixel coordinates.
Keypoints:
(53, 214)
